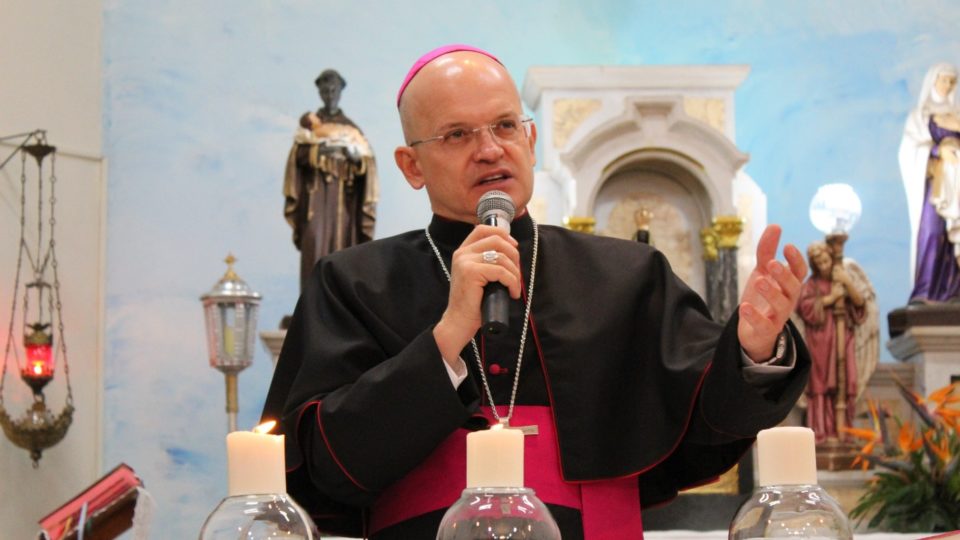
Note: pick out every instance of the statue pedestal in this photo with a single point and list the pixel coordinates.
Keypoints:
(927, 337)
(835, 456)
(273, 342)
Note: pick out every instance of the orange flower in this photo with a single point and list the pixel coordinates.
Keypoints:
(868, 435)
(865, 451)
(925, 452)
(944, 395)
(950, 417)
(940, 450)
(906, 441)
(862, 433)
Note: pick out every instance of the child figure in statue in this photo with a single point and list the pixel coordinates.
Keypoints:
(313, 130)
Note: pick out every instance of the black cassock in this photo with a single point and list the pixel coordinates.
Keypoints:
(640, 380)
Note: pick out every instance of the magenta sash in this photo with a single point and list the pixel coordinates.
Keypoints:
(610, 509)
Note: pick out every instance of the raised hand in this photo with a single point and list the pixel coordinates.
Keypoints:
(770, 295)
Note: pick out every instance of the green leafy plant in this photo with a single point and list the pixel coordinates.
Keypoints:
(916, 487)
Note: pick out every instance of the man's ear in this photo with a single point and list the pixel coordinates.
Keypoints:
(406, 159)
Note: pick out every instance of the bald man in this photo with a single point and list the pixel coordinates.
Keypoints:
(626, 389)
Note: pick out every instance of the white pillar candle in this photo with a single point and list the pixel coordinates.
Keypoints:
(786, 456)
(228, 341)
(255, 463)
(495, 458)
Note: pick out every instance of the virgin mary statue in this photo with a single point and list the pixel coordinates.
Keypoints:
(928, 157)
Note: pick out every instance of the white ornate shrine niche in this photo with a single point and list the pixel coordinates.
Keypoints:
(615, 139)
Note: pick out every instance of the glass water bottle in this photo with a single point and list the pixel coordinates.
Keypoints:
(789, 503)
(495, 505)
(491, 513)
(258, 517)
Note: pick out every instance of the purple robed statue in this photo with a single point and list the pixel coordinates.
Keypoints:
(928, 163)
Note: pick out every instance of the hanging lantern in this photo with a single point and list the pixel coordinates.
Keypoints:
(38, 345)
(230, 309)
(38, 428)
(38, 369)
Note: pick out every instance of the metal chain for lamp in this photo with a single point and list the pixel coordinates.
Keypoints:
(38, 429)
(16, 279)
(56, 278)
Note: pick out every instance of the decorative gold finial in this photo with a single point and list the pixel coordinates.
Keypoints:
(230, 274)
(643, 217)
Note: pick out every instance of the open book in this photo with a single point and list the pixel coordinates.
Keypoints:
(109, 508)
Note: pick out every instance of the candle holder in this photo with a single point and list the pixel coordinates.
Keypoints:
(788, 502)
(38, 345)
(495, 513)
(257, 506)
(495, 505)
(251, 517)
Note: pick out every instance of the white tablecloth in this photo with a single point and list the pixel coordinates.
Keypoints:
(722, 535)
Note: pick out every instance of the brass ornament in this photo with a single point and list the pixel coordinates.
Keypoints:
(582, 224)
(728, 230)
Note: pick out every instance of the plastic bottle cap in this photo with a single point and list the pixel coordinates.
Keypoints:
(787, 456)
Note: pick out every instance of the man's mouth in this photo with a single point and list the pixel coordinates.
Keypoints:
(493, 179)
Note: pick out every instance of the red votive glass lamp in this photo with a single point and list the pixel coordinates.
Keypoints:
(38, 369)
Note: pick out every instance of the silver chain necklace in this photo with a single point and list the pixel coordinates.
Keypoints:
(523, 334)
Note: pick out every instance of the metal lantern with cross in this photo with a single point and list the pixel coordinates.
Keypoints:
(230, 310)
(41, 312)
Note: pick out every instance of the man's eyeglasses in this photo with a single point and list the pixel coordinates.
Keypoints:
(504, 130)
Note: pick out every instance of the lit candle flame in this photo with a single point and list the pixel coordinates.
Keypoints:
(265, 427)
(38, 368)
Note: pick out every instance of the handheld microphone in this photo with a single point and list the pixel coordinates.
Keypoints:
(495, 208)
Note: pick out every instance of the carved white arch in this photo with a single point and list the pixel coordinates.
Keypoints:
(654, 128)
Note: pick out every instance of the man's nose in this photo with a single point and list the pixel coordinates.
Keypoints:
(489, 147)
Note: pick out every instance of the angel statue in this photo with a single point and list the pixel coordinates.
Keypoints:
(928, 158)
(839, 317)
(330, 182)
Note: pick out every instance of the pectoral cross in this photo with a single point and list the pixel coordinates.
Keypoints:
(526, 430)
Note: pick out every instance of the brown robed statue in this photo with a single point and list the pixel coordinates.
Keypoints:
(330, 183)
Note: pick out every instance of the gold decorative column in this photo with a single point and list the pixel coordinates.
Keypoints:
(719, 243)
(711, 257)
(727, 229)
(580, 224)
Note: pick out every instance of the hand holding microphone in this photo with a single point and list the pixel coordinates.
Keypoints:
(495, 208)
(470, 276)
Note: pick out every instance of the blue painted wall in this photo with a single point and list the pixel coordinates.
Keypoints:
(201, 98)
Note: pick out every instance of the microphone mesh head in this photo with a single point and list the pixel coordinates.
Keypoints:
(495, 200)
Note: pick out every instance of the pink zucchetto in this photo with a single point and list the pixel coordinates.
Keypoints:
(433, 55)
